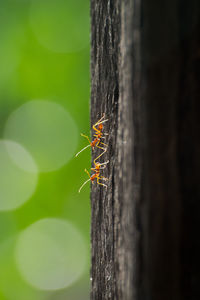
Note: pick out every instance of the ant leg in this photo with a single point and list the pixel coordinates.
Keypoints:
(99, 142)
(103, 178)
(103, 164)
(97, 131)
(104, 150)
(97, 123)
(103, 145)
(100, 154)
(100, 120)
(101, 168)
(97, 136)
(101, 183)
(94, 126)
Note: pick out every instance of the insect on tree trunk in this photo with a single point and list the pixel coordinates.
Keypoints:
(145, 62)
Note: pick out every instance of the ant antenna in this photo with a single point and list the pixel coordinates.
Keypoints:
(83, 185)
(82, 150)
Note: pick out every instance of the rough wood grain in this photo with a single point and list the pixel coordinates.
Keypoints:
(104, 98)
(145, 62)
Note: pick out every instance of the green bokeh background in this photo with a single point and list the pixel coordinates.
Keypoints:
(44, 54)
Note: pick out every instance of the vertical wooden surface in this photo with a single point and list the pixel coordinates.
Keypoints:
(105, 40)
(145, 62)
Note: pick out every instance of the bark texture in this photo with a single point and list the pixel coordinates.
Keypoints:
(145, 65)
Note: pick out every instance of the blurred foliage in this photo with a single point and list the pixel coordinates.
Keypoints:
(44, 55)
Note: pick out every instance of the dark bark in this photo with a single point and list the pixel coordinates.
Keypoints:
(145, 65)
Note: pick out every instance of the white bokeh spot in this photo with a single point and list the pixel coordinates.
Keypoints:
(50, 254)
(46, 130)
(18, 176)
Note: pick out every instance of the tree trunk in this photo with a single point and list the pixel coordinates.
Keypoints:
(145, 62)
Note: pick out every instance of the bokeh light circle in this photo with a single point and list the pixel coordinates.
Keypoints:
(50, 254)
(61, 26)
(17, 184)
(46, 130)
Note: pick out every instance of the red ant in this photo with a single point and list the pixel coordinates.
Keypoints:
(98, 136)
(98, 167)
